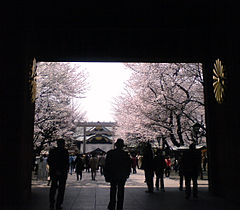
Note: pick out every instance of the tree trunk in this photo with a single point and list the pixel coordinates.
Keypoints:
(179, 129)
(172, 137)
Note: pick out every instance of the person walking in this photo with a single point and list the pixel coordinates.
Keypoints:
(159, 166)
(148, 167)
(93, 163)
(101, 162)
(86, 161)
(58, 161)
(180, 171)
(71, 164)
(48, 178)
(117, 170)
(79, 166)
(42, 168)
(134, 163)
(205, 160)
(191, 170)
(168, 168)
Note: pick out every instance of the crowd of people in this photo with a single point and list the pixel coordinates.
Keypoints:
(90, 162)
(116, 166)
(188, 166)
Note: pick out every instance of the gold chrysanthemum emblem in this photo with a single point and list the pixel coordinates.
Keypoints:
(218, 81)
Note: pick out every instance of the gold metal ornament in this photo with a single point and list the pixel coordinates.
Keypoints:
(219, 81)
(32, 79)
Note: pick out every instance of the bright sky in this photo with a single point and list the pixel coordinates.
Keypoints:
(106, 81)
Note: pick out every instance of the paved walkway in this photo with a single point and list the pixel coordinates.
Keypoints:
(94, 195)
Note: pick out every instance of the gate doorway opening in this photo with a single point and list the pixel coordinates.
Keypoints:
(161, 103)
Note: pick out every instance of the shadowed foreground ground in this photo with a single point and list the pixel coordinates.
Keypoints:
(94, 195)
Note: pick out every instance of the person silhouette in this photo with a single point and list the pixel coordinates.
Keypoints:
(79, 166)
(159, 166)
(101, 162)
(134, 163)
(117, 170)
(93, 163)
(180, 171)
(191, 169)
(58, 161)
(148, 167)
(168, 168)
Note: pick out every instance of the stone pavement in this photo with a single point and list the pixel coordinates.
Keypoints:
(94, 195)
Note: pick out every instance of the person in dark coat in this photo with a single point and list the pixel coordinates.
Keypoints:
(191, 169)
(117, 170)
(159, 167)
(93, 163)
(101, 163)
(87, 158)
(79, 166)
(180, 171)
(148, 167)
(58, 161)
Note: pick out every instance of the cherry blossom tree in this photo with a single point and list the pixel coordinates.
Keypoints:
(162, 101)
(55, 112)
